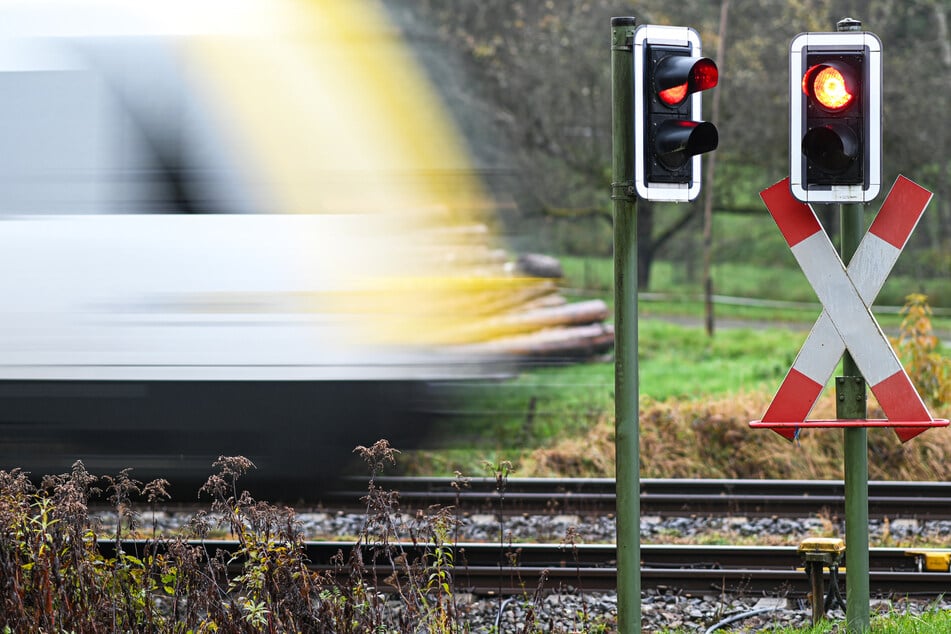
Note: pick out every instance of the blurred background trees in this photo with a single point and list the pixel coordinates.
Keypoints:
(529, 80)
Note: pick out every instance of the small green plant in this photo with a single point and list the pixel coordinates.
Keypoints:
(436, 596)
(500, 470)
(918, 348)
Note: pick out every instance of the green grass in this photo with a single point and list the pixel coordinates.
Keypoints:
(672, 294)
(751, 352)
(542, 404)
(933, 621)
(683, 362)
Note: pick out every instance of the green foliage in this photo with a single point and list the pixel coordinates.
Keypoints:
(544, 404)
(683, 362)
(56, 580)
(918, 348)
(895, 621)
(697, 397)
(776, 278)
(677, 299)
(589, 274)
(438, 611)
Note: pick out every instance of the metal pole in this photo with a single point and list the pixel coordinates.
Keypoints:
(817, 592)
(851, 403)
(627, 450)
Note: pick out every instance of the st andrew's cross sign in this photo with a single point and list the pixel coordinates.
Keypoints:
(846, 322)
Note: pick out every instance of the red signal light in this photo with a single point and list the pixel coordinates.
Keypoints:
(835, 116)
(669, 75)
(828, 85)
(673, 96)
(704, 75)
(691, 75)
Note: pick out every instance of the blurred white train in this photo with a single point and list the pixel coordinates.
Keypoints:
(228, 227)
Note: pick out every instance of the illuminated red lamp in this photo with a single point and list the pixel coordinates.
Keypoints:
(831, 86)
(673, 96)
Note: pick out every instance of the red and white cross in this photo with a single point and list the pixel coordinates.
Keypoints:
(846, 322)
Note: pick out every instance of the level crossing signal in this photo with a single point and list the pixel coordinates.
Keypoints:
(669, 75)
(835, 97)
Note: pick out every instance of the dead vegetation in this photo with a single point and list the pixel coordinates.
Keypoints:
(712, 439)
(55, 578)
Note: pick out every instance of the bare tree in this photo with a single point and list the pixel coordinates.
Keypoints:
(544, 67)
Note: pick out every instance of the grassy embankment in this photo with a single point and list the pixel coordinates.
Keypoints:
(698, 395)
(933, 621)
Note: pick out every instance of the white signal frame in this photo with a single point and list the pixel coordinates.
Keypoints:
(671, 36)
(846, 41)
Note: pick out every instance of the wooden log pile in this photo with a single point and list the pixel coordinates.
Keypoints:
(546, 326)
(491, 303)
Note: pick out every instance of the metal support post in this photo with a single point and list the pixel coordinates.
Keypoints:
(851, 403)
(856, 443)
(819, 553)
(627, 450)
(816, 591)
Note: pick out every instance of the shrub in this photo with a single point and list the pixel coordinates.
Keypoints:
(55, 578)
(918, 348)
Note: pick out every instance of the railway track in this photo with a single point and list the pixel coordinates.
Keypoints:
(488, 568)
(483, 568)
(669, 497)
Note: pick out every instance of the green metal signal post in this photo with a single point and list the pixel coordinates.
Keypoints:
(627, 449)
(851, 398)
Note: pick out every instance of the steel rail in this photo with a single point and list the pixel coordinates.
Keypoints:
(672, 497)
(486, 568)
